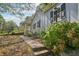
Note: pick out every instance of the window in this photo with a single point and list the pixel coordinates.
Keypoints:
(34, 26)
(58, 12)
(63, 7)
(51, 14)
(55, 16)
(63, 12)
(38, 23)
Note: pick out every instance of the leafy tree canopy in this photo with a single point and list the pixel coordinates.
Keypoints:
(16, 8)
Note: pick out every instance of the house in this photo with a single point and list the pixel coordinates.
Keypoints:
(37, 20)
(48, 13)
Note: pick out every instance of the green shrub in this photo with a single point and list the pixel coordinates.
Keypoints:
(36, 35)
(29, 34)
(60, 35)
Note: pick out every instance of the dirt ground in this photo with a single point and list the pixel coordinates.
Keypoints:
(13, 45)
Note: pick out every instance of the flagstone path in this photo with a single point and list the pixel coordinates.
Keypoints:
(37, 47)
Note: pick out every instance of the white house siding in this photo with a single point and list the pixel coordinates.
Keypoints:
(72, 12)
(38, 16)
(45, 21)
(44, 18)
(47, 14)
(42, 21)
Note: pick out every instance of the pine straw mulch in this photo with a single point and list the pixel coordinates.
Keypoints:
(14, 46)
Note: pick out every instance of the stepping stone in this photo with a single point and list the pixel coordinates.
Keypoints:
(40, 53)
(38, 49)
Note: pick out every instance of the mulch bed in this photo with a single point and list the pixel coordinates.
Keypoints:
(14, 46)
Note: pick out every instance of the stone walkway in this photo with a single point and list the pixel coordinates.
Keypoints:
(37, 47)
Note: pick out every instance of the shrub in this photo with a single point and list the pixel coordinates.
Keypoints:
(60, 35)
(29, 34)
(36, 35)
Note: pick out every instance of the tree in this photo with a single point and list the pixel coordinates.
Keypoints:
(21, 27)
(10, 26)
(16, 8)
(2, 24)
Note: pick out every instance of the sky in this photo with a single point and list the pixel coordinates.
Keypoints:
(17, 20)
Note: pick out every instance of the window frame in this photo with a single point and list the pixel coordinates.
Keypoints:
(58, 12)
(55, 15)
(51, 14)
(39, 23)
(34, 25)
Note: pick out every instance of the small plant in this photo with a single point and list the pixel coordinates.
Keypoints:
(29, 34)
(36, 35)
